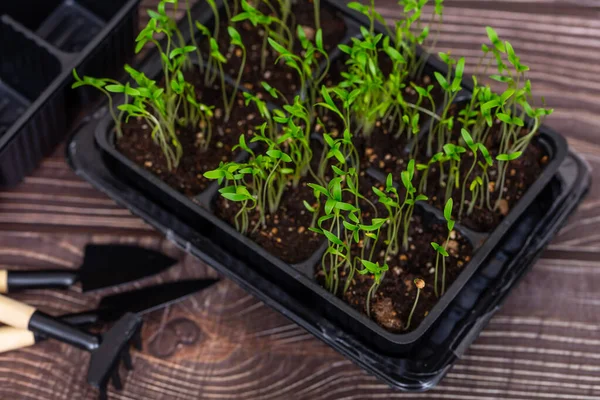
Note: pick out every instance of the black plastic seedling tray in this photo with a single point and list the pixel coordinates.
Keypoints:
(453, 331)
(298, 280)
(40, 44)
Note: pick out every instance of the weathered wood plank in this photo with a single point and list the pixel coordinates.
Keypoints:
(223, 343)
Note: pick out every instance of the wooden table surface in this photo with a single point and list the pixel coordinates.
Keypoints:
(224, 344)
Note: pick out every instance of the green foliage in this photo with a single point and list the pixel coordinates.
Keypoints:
(378, 272)
(274, 25)
(451, 86)
(100, 84)
(511, 107)
(257, 184)
(419, 284)
(400, 210)
(476, 183)
(441, 250)
(164, 108)
(306, 65)
(380, 88)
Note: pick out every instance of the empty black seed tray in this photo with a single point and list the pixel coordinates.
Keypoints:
(40, 44)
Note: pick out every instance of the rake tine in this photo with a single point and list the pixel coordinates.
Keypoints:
(116, 378)
(103, 393)
(137, 340)
(127, 359)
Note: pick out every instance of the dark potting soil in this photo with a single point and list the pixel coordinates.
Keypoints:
(136, 142)
(286, 234)
(392, 302)
(278, 75)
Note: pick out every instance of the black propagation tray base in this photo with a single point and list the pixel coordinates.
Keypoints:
(453, 332)
(298, 279)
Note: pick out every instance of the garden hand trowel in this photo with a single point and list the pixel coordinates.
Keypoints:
(111, 308)
(103, 265)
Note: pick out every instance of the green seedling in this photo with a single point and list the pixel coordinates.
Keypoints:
(338, 217)
(510, 108)
(306, 65)
(451, 85)
(236, 40)
(420, 285)
(378, 273)
(442, 250)
(165, 108)
(283, 35)
(454, 154)
(264, 177)
(399, 211)
(476, 183)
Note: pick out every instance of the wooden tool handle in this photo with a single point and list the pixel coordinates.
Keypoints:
(3, 281)
(15, 338)
(14, 313)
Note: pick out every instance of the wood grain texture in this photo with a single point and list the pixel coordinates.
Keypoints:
(224, 344)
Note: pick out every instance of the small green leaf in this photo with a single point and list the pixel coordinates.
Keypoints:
(504, 118)
(442, 81)
(277, 47)
(215, 174)
(509, 157)
(448, 209)
(318, 189)
(335, 187)
(501, 78)
(489, 105)
(485, 153)
(517, 121)
(468, 139)
(276, 154)
(333, 238)
(458, 75)
(235, 196)
(309, 207)
(493, 36)
(370, 266)
(344, 206)
(115, 88)
(319, 40)
(236, 39)
(451, 225)
(337, 171)
(405, 176)
(389, 182)
(349, 226)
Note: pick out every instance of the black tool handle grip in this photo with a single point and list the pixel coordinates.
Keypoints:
(16, 338)
(54, 328)
(11, 281)
(23, 316)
